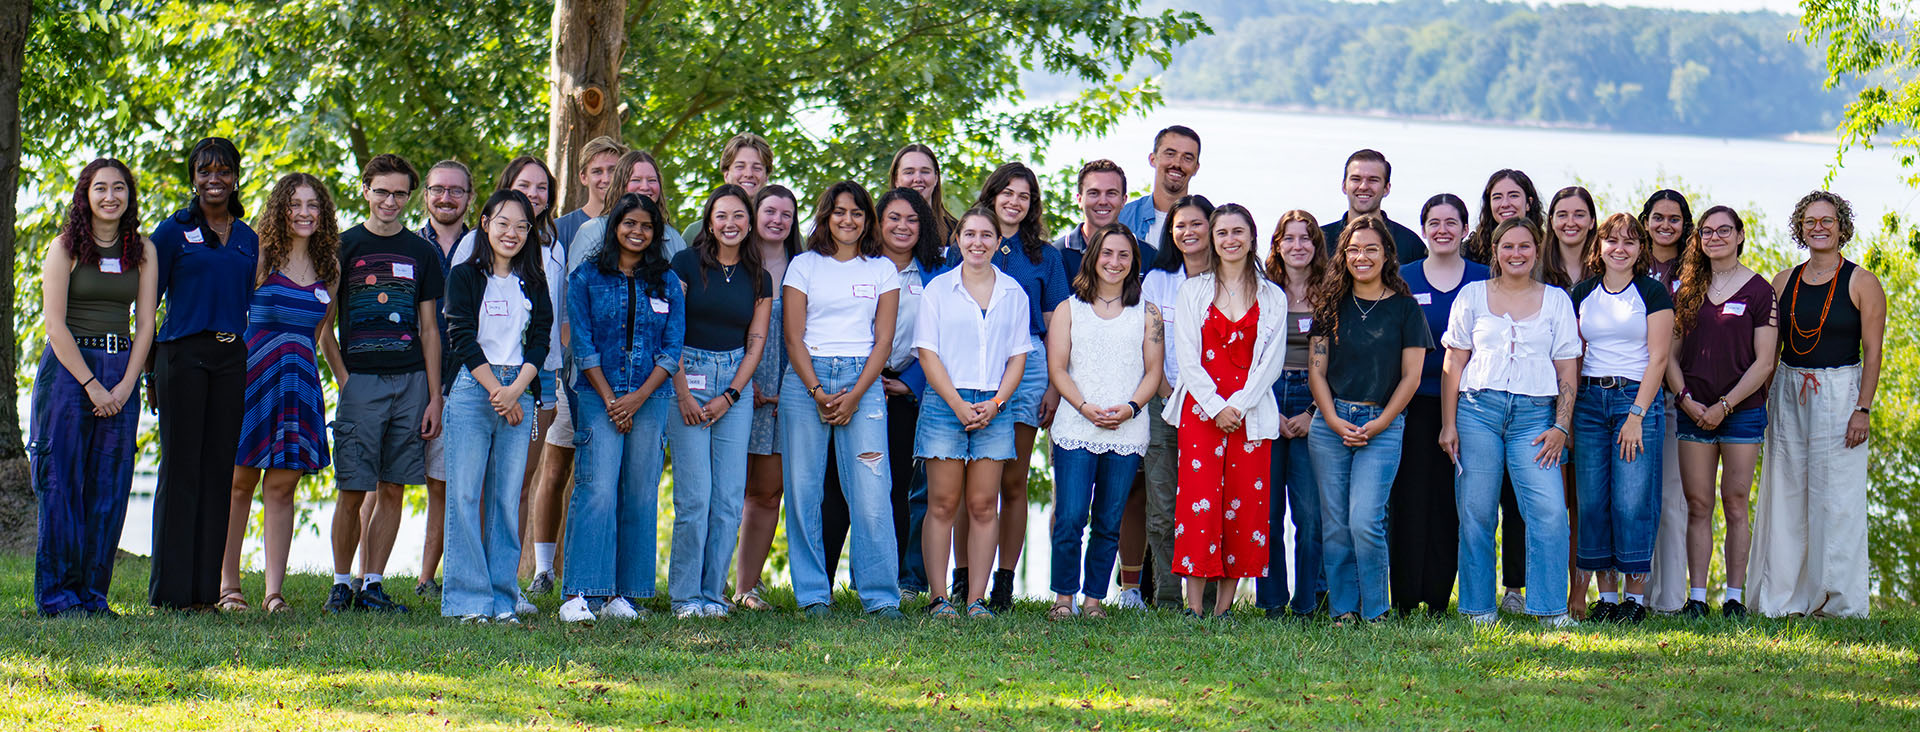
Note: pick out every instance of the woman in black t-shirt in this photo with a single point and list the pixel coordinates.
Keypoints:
(1369, 343)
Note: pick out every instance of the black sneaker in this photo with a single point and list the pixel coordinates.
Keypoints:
(373, 598)
(1000, 599)
(1602, 612)
(1732, 609)
(1630, 612)
(340, 599)
(1694, 610)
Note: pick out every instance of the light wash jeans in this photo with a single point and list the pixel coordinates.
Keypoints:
(865, 478)
(709, 481)
(1355, 483)
(1496, 431)
(616, 496)
(486, 459)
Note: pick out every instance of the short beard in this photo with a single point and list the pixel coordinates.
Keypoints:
(436, 216)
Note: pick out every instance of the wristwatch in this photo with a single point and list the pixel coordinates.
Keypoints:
(1636, 410)
(732, 395)
(1866, 410)
(1134, 407)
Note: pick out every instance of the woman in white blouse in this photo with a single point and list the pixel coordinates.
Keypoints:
(1507, 391)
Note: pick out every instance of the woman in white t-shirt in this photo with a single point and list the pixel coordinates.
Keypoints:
(840, 303)
(1186, 250)
(1506, 403)
(498, 324)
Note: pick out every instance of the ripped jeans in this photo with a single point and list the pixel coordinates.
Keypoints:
(866, 480)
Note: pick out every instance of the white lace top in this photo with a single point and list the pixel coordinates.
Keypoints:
(1107, 364)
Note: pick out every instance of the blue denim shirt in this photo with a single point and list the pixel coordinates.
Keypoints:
(618, 328)
(1138, 216)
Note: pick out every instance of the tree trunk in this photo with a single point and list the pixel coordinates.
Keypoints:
(15, 18)
(589, 39)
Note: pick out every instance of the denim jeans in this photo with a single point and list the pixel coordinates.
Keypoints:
(1619, 499)
(82, 470)
(913, 565)
(709, 482)
(1293, 472)
(616, 496)
(865, 478)
(1496, 431)
(1355, 483)
(1087, 484)
(486, 458)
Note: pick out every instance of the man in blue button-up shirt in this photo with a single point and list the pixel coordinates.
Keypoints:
(1175, 160)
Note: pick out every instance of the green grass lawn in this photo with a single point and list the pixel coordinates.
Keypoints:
(779, 671)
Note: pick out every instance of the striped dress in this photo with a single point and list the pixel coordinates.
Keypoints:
(285, 422)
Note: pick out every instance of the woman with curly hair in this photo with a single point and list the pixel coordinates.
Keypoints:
(1297, 263)
(1810, 529)
(82, 440)
(1369, 343)
(284, 431)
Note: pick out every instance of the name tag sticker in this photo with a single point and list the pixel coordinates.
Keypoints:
(697, 381)
(659, 305)
(1306, 324)
(1424, 298)
(403, 271)
(322, 296)
(195, 237)
(1734, 309)
(496, 307)
(110, 266)
(913, 289)
(866, 292)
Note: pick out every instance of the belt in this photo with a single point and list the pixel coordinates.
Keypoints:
(1609, 382)
(111, 343)
(224, 337)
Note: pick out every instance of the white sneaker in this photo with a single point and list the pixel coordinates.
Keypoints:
(575, 610)
(685, 610)
(522, 606)
(714, 610)
(1130, 600)
(506, 619)
(1484, 618)
(619, 609)
(473, 619)
(907, 597)
(1514, 602)
(1562, 620)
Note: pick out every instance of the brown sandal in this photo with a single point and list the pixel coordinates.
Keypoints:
(1060, 611)
(232, 601)
(1093, 611)
(274, 603)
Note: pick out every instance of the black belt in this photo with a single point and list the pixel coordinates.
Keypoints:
(111, 343)
(890, 373)
(1609, 382)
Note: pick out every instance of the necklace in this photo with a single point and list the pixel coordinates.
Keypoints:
(1714, 286)
(726, 272)
(1803, 334)
(107, 242)
(1365, 311)
(1108, 300)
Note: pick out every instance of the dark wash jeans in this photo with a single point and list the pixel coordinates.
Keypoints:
(1293, 470)
(82, 471)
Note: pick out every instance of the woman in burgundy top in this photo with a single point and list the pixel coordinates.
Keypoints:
(1725, 319)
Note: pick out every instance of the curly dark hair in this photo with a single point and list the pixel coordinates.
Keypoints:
(1696, 270)
(77, 232)
(1337, 284)
(821, 240)
(930, 238)
(1277, 265)
(275, 226)
(1841, 210)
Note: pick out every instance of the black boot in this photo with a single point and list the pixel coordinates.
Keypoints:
(1000, 599)
(959, 588)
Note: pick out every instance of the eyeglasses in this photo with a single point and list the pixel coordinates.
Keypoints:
(445, 191)
(1724, 232)
(382, 194)
(1824, 222)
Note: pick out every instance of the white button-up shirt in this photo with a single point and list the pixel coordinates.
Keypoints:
(1514, 356)
(972, 345)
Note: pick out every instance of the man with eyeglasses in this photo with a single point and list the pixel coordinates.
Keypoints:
(386, 362)
(449, 198)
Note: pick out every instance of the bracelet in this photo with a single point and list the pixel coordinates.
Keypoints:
(1724, 405)
(1563, 430)
(1134, 407)
(89, 381)
(811, 390)
(999, 404)
(732, 395)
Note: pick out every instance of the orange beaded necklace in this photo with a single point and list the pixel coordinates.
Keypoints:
(1802, 334)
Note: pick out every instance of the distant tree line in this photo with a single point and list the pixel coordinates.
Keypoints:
(1634, 69)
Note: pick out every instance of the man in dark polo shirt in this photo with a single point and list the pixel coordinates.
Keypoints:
(1368, 179)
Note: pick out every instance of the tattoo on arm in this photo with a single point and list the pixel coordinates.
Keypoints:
(1319, 348)
(1563, 411)
(1156, 328)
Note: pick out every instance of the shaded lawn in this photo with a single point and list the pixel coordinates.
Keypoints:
(779, 671)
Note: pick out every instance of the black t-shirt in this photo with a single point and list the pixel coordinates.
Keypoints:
(1363, 358)
(719, 308)
(383, 281)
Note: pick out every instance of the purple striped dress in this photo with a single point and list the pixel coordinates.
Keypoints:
(285, 424)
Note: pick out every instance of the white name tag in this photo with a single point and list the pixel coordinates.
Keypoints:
(659, 305)
(403, 271)
(866, 292)
(1424, 298)
(110, 266)
(195, 237)
(496, 307)
(913, 289)
(697, 381)
(1734, 309)
(322, 296)
(1306, 324)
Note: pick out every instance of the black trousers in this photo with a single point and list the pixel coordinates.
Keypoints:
(200, 389)
(903, 419)
(1422, 521)
(1513, 538)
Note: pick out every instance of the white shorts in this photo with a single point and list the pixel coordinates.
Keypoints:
(437, 459)
(560, 434)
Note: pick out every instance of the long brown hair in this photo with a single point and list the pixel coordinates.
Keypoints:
(1316, 268)
(1033, 226)
(1696, 270)
(1551, 269)
(944, 223)
(706, 245)
(1086, 282)
(1253, 274)
(1483, 241)
(1337, 285)
(821, 239)
(275, 227)
(78, 230)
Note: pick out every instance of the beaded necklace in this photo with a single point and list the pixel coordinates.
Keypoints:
(1833, 285)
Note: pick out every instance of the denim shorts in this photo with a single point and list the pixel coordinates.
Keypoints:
(1743, 427)
(940, 436)
(1024, 407)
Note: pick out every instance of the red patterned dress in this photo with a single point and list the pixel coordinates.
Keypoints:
(1221, 524)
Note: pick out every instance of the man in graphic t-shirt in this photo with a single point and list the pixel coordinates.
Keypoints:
(386, 361)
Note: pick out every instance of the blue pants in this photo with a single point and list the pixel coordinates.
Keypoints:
(1497, 430)
(1355, 483)
(866, 478)
(1293, 471)
(82, 471)
(1087, 485)
(616, 498)
(486, 460)
(709, 482)
(1619, 499)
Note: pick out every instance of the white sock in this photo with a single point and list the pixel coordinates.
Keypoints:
(543, 556)
(1609, 597)
(342, 579)
(372, 579)
(1637, 598)
(1697, 593)
(1736, 594)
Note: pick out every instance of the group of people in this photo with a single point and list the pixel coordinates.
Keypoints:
(1586, 385)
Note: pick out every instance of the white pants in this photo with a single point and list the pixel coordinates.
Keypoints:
(1667, 588)
(1810, 521)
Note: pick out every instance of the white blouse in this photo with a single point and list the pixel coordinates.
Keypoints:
(1514, 356)
(973, 346)
(1255, 400)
